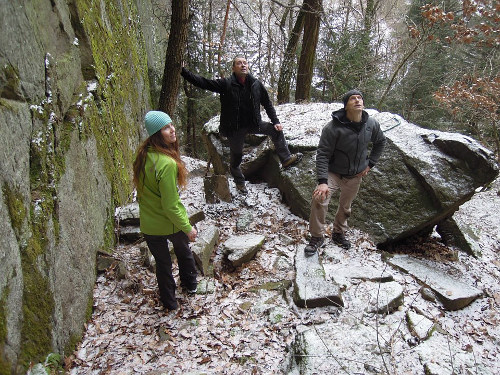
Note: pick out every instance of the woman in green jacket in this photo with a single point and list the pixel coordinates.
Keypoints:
(158, 172)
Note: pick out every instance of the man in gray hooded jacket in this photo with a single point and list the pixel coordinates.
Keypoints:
(342, 161)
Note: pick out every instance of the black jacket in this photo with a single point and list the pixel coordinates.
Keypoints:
(230, 91)
(343, 146)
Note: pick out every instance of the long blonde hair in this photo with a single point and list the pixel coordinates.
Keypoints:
(158, 144)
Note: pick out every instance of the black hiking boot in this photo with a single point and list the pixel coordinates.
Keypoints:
(293, 160)
(242, 188)
(313, 246)
(340, 240)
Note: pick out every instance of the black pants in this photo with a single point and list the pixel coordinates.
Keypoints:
(158, 245)
(237, 140)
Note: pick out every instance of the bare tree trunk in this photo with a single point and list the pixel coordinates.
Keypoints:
(223, 37)
(287, 65)
(190, 145)
(310, 41)
(175, 52)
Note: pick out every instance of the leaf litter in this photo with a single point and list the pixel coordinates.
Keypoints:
(244, 327)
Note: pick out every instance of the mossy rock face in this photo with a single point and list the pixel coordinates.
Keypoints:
(71, 113)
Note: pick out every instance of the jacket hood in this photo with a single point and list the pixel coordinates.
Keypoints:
(341, 117)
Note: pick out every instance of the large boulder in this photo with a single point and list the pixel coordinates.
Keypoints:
(421, 179)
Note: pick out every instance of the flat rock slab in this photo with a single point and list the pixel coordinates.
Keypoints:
(443, 355)
(128, 215)
(336, 348)
(385, 297)
(312, 289)
(353, 273)
(453, 294)
(130, 234)
(203, 248)
(241, 249)
(419, 325)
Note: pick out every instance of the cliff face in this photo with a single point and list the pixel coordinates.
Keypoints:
(74, 87)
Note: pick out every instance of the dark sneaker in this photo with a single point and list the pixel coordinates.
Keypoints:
(314, 244)
(242, 188)
(340, 240)
(293, 160)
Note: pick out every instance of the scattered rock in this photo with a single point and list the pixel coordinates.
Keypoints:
(203, 248)
(419, 325)
(385, 297)
(427, 294)
(104, 262)
(241, 249)
(217, 189)
(311, 287)
(244, 221)
(452, 293)
(205, 286)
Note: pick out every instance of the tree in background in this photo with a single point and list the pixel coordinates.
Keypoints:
(216, 34)
(288, 63)
(473, 96)
(173, 59)
(419, 65)
(350, 53)
(312, 10)
(422, 67)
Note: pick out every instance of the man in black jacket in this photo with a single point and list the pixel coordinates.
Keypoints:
(241, 96)
(341, 161)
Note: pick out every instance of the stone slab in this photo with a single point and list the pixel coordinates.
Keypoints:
(241, 249)
(453, 294)
(312, 289)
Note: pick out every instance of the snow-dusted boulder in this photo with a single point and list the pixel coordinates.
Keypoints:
(421, 179)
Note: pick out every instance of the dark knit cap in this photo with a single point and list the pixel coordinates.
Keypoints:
(350, 93)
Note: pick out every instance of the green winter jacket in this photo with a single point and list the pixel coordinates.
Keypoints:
(160, 207)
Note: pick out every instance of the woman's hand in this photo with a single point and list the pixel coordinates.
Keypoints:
(192, 235)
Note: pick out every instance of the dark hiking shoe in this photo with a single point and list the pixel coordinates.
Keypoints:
(340, 240)
(293, 160)
(170, 307)
(190, 291)
(242, 188)
(313, 246)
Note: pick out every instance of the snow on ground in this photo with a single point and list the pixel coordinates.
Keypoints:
(242, 328)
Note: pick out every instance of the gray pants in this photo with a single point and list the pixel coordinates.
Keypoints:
(237, 140)
(349, 187)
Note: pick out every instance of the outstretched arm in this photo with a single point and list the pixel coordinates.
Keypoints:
(215, 85)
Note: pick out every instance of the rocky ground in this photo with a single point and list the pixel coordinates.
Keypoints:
(248, 322)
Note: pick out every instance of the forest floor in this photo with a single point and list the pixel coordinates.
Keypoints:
(242, 327)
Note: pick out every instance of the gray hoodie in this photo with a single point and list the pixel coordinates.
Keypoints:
(343, 146)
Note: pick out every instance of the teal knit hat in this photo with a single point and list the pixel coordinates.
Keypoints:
(155, 121)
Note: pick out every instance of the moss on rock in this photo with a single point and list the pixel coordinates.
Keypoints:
(108, 113)
(17, 210)
(119, 61)
(4, 364)
(38, 299)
